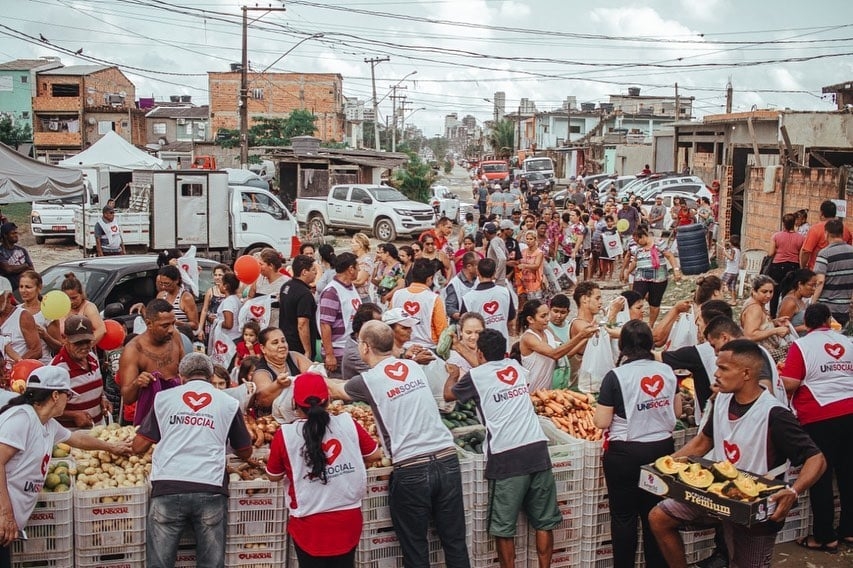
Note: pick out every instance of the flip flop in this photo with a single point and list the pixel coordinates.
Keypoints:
(817, 547)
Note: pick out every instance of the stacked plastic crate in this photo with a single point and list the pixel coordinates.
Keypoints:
(596, 546)
(257, 524)
(110, 527)
(49, 533)
(698, 544)
(567, 462)
(799, 517)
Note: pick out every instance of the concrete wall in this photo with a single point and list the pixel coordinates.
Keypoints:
(632, 158)
(819, 129)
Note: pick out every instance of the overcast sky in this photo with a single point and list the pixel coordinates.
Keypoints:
(464, 50)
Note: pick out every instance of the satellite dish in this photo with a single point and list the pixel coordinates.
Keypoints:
(162, 141)
(92, 121)
(90, 101)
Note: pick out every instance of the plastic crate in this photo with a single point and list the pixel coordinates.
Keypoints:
(50, 526)
(379, 547)
(596, 517)
(256, 508)
(256, 552)
(596, 553)
(565, 557)
(567, 533)
(567, 461)
(186, 557)
(374, 507)
(482, 548)
(113, 557)
(44, 560)
(698, 544)
(679, 438)
(110, 518)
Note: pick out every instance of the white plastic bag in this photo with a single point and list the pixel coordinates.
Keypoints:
(597, 361)
(221, 348)
(683, 334)
(612, 245)
(622, 318)
(551, 277)
(257, 309)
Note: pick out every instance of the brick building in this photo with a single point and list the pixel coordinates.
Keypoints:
(74, 106)
(276, 95)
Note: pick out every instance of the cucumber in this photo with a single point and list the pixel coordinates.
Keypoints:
(447, 423)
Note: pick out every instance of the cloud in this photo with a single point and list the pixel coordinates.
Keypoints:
(512, 9)
(705, 10)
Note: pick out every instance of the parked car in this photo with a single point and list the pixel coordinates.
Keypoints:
(667, 198)
(54, 218)
(444, 202)
(537, 181)
(618, 182)
(115, 283)
(695, 190)
(652, 184)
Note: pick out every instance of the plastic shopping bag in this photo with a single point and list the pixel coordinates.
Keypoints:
(256, 309)
(552, 270)
(613, 245)
(221, 348)
(188, 267)
(571, 277)
(597, 361)
(683, 334)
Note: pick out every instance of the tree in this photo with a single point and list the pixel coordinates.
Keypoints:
(271, 131)
(502, 138)
(14, 135)
(439, 146)
(414, 179)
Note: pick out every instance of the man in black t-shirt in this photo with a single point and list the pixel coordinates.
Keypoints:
(297, 311)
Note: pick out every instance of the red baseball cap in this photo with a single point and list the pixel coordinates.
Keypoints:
(309, 385)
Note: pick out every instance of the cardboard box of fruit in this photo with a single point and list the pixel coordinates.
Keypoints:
(724, 491)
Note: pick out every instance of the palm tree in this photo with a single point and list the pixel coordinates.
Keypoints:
(502, 138)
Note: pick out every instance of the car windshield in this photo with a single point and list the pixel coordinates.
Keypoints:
(538, 165)
(92, 280)
(387, 194)
(494, 168)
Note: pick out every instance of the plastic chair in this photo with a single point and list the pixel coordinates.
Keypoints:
(752, 260)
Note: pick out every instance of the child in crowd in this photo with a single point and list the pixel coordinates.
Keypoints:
(732, 254)
(246, 369)
(560, 305)
(221, 380)
(605, 263)
(249, 344)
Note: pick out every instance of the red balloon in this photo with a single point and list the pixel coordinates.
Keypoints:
(247, 269)
(22, 369)
(114, 337)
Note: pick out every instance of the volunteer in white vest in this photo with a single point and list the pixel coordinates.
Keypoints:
(488, 299)
(323, 457)
(819, 373)
(191, 424)
(518, 465)
(335, 309)
(108, 241)
(426, 483)
(753, 430)
(28, 432)
(637, 406)
(420, 302)
(463, 282)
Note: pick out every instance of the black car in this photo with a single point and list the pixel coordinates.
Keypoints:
(115, 283)
(537, 181)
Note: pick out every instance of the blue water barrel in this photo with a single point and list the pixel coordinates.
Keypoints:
(692, 249)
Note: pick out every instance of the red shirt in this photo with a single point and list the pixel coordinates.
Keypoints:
(243, 351)
(816, 241)
(808, 409)
(440, 242)
(323, 534)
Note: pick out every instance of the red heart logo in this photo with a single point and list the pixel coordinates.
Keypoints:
(196, 401)
(45, 460)
(356, 302)
(114, 228)
(652, 385)
(411, 308)
(220, 347)
(732, 451)
(332, 448)
(185, 267)
(398, 371)
(491, 307)
(257, 311)
(835, 350)
(508, 375)
(611, 243)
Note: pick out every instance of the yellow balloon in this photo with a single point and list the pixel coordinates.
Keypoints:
(622, 225)
(55, 305)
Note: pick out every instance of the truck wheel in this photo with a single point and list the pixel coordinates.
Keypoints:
(384, 230)
(39, 240)
(316, 226)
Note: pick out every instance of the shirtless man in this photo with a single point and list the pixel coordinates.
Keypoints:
(149, 363)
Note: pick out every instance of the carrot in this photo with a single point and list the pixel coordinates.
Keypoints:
(556, 407)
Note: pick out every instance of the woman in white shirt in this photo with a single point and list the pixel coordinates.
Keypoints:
(229, 308)
(464, 351)
(28, 432)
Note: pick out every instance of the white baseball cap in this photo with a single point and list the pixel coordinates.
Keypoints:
(5, 285)
(51, 378)
(397, 315)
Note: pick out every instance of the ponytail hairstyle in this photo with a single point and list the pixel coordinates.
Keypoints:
(635, 342)
(30, 396)
(313, 432)
(70, 283)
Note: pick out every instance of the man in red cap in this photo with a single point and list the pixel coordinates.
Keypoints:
(87, 409)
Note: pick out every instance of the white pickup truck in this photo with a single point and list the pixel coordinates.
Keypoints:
(380, 209)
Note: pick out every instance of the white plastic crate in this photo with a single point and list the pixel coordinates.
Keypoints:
(567, 534)
(596, 553)
(482, 548)
(698, 544)
(567, 461)
(596, 517)
(374, 507)
(679, 438)
(110, 518)
(563, 557)
(255, 552)
(186, 557)
(50, 526)
(43, 560)
(256, 508)
(380, 548)
(116, 557)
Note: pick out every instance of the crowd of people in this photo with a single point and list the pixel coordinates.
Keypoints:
(507, 303)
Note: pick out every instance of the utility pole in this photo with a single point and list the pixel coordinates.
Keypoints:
(394, 98)
(374, 61)
(403, 110)
(244, 82)
(729, 97)
(675, 132)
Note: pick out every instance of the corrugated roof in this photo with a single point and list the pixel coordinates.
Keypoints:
(79, 70)
(179, 112)
(739, 116)
(26, 64)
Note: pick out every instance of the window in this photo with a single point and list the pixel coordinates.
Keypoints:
(359, 195)
(340, 193)
(65, 90)
(575, 129)
(25, 114)
(159, 128)
(105, 126)
(262, 203)
(192, 190)
(25, 79)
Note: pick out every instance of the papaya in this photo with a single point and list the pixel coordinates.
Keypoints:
(668, 465)
(696, 476)
(724, 471)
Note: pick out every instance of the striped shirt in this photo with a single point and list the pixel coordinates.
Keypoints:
(645, 271)
(330, 313)
(86, 381)
(836, 263)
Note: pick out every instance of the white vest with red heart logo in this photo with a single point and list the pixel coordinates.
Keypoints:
(506, 406)
(743, 441)
(493, 304)
(829, 365)
(111, 241)
(350, 302)
(648, 392)
(346, 478)
(194, 420)
(407, 410)
(419, 306)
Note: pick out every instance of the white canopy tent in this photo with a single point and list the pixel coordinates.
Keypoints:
(115, 154)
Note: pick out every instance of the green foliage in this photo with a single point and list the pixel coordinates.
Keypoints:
(439, 146)
(414, 179)
(271, 131)
(448, 166)
(13, 135)
(502, 138)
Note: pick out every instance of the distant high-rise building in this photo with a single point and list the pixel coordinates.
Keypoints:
(451, 123)
(527, 106)
(571, 103)
(499, 99)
